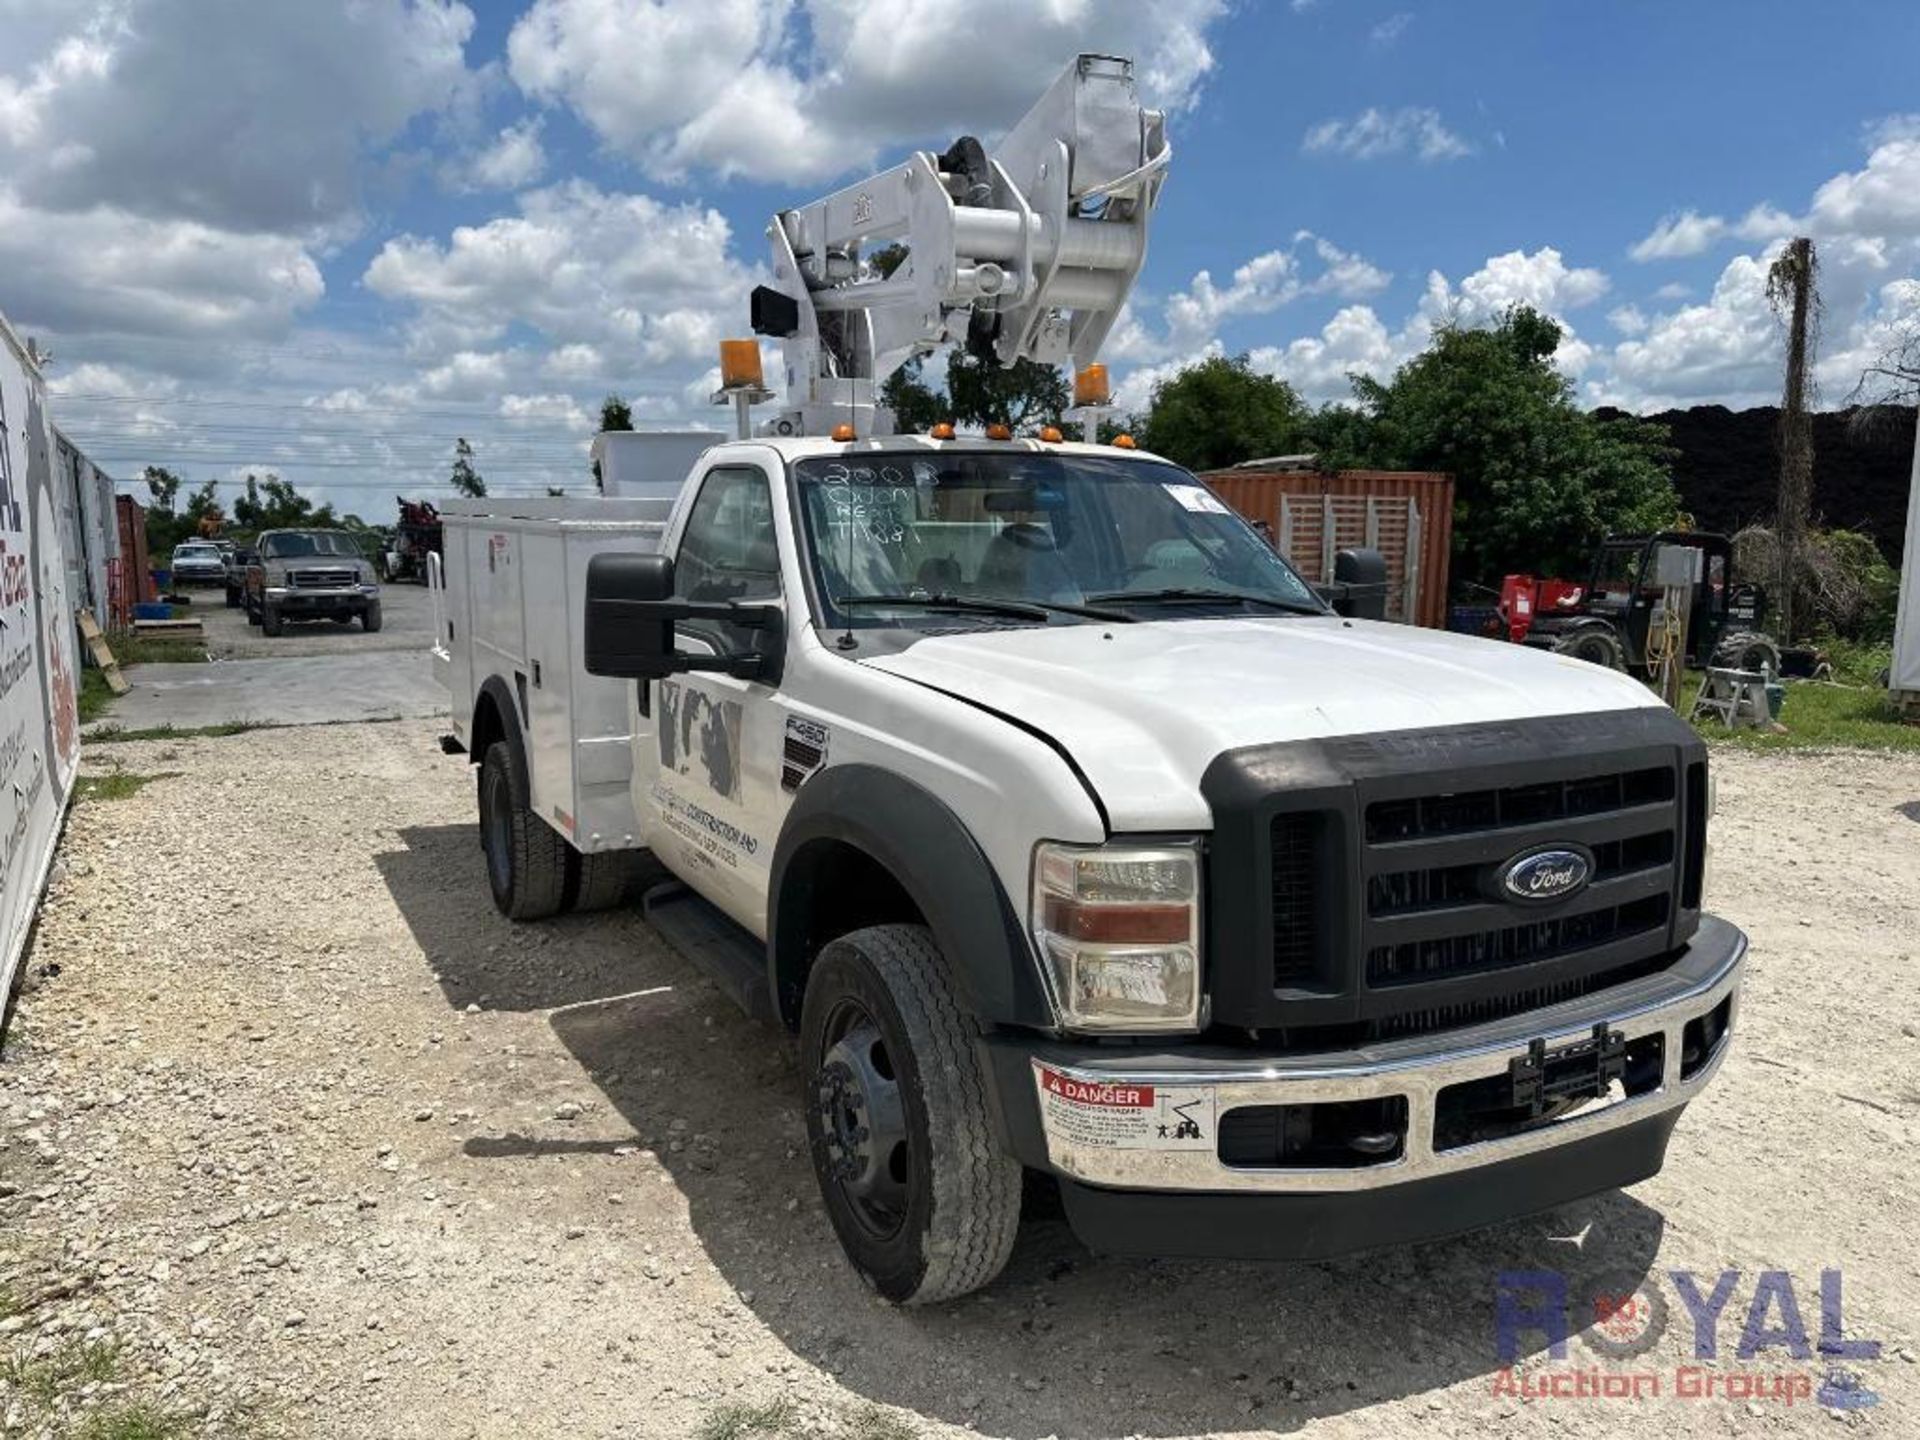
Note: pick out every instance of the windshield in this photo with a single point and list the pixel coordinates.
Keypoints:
(1129, 536)
(300, 544)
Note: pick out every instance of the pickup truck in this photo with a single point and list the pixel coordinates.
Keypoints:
(1071, 831)
(309, 575)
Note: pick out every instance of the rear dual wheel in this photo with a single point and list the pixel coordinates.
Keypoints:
(533, 872)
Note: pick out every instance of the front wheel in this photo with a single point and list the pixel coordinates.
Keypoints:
(370, 617)
(925, 1202)
(270, 622)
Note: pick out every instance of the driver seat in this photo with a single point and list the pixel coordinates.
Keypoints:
(1023, 563)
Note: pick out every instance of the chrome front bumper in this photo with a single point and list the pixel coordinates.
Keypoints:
(1079, 1146)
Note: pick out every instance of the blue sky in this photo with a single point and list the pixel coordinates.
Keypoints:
(325, 239)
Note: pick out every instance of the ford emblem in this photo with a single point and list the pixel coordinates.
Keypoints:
(1544, 875)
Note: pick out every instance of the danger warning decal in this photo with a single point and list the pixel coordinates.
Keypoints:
(1125, 1117)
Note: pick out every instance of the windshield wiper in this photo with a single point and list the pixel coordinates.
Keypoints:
(1017, 609)
(1034, 609)
(1176, 595)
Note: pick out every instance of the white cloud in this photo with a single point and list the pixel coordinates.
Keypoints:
(627, 273)
(1354, 341)
(257, 120)
(103, 269)
(1374, 134)
(1723, 349)
(574, 362)
(1348, 275)
(1680, 235)
(1390, 29)
(1865, 224)
(1674, 290)
(1191, 318)
(514, 160)
(470, 374)
(560, 407)
(792, 91)
(1628, 320)
(1542, 280)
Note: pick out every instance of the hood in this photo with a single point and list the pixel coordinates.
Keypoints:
(1144, 708)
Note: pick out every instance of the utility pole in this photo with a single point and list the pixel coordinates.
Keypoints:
(1790, 288)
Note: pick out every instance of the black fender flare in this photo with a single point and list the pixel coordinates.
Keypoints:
(909, 832)
(512, 727)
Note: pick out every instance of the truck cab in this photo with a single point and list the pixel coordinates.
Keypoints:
(1070, 831)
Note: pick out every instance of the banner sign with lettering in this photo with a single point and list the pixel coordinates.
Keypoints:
(39, 663)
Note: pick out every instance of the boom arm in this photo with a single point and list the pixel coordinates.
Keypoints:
(1027, 253)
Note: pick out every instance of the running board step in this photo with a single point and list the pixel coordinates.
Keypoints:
(723, 950)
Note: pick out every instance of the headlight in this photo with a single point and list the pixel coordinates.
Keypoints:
(1119, 927)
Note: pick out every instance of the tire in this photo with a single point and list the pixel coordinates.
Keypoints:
(370, 618)
(1747, 650)
(270, 622)
(233, 598)
(610, 879)
(1594, 645)
(527, 861)
(925, 1202)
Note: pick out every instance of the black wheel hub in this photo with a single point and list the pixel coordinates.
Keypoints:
(861, 1125)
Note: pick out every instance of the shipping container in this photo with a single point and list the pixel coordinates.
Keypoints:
(1407, 515)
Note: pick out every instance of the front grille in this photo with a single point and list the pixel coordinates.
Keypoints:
(1523, 944)
(1407, 892)
(1357, 886)
(321, 579)
(1295, 941)
(1425, 817)
(1489, 1008)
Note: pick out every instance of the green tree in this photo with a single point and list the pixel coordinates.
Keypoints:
(203, 506)
(1221, 412)
(1023, 394)
(1537, 481)
(615, 414)
(465, 479)
(915, 404)
(270, 503)
(163, 485)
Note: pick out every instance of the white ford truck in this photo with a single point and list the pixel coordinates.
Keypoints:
(1071, 831)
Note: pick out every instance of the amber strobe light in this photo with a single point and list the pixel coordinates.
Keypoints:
(999, 432)
(1090, 388)
(843, 432)
(942, 431)
(1124, 442)
(1050, 435)
(740, 364)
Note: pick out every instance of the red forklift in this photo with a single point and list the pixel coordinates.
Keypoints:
(1606, 620)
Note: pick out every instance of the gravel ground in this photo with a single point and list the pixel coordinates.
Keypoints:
(297, 1137)
(406, 624)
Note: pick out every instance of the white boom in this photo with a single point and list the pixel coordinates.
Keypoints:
(1027, 253)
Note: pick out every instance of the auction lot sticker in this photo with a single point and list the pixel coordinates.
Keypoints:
(1125, 1117)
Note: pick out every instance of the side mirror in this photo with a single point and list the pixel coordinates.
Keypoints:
(631, 610)
(626, 637)
(1360, 584)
